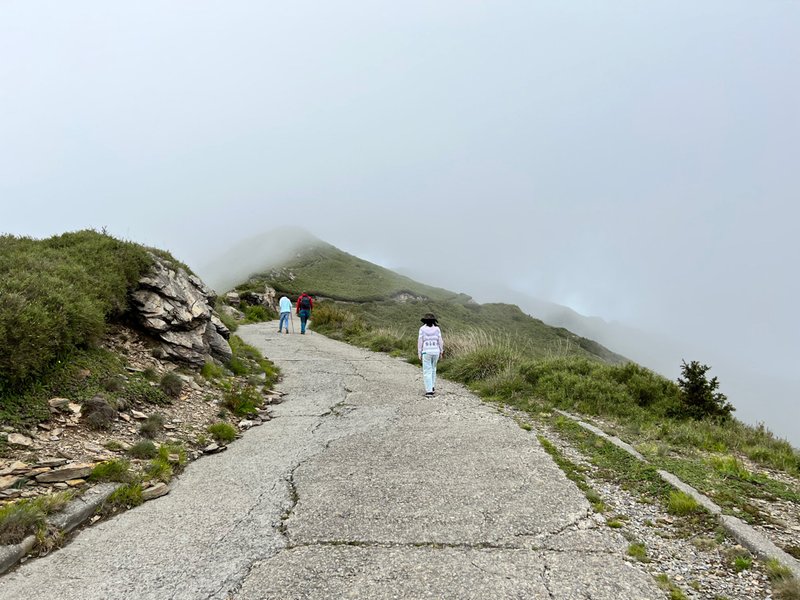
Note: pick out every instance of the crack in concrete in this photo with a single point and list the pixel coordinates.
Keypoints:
(412, 545)
(574, 524)
(235, 580)
(487, 571)
(294, 498)
(445, 546)
(546, 579)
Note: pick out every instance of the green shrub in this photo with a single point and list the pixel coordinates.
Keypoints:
(327, 315)
(160, 469)
(479, 364)
(150, 374)
(173, 450)
(238, 366)
(66, 378)
(143, 449)
(639, 552)
(675, 593)
(777, 571)
(508, 385)
(645, 388)
(742, 563)
(152, 426)
(212, 370)
(223, 433)
(115, 383)
(699, 398)
(242, 401)
(228, 321)
(172, 385)
(382, 343)
(730, 467)
(257, 314)
(272, 373)
(127, 496)
(682, 504)
(98, 413)
(247, 360)
(81, 279)
(112, 470)
(141, 390)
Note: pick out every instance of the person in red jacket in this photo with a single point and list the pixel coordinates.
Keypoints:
(304, 305)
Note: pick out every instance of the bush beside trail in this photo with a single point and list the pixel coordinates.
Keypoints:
(58, 294)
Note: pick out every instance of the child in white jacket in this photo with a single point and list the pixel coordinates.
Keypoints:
(430, 348)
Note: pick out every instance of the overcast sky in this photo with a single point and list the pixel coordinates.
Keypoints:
(633, 160)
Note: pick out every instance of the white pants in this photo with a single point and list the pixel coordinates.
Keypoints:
(429, 360)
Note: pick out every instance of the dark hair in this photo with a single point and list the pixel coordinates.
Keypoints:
(429, 322)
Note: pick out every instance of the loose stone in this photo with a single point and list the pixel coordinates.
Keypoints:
(15, 468)
(158, 490)
(71, 472)
(51, 462)
(8, 481)
(17, 439)
(58, 404)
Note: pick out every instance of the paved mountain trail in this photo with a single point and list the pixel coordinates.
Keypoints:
(359, 488)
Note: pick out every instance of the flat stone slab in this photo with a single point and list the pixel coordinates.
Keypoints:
(66, 473)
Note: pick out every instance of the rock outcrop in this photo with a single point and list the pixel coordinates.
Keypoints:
(176, 308)
(267, 298)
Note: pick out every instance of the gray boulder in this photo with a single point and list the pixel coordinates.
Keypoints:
(252, 298)
(177, 309)
(267, 298)
(231, 312)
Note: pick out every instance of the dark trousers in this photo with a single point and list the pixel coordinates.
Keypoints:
(304, 314)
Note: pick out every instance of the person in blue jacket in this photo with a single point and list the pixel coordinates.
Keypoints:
(286, 312)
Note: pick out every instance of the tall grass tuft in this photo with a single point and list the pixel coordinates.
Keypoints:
(25, 517)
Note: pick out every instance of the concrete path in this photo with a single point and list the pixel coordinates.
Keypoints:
(360, 488)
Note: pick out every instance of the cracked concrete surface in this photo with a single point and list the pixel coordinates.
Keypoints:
(359, 488)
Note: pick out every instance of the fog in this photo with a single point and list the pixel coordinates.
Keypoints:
(633, 161)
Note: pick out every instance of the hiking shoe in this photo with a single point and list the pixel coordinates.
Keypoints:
(429, 394)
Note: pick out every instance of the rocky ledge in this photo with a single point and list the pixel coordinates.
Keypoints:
(176, 308)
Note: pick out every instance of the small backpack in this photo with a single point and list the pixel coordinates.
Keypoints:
(305, 303)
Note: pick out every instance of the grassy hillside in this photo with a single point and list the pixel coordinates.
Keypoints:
(510, 357)
(380, 297)
(323, 270)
